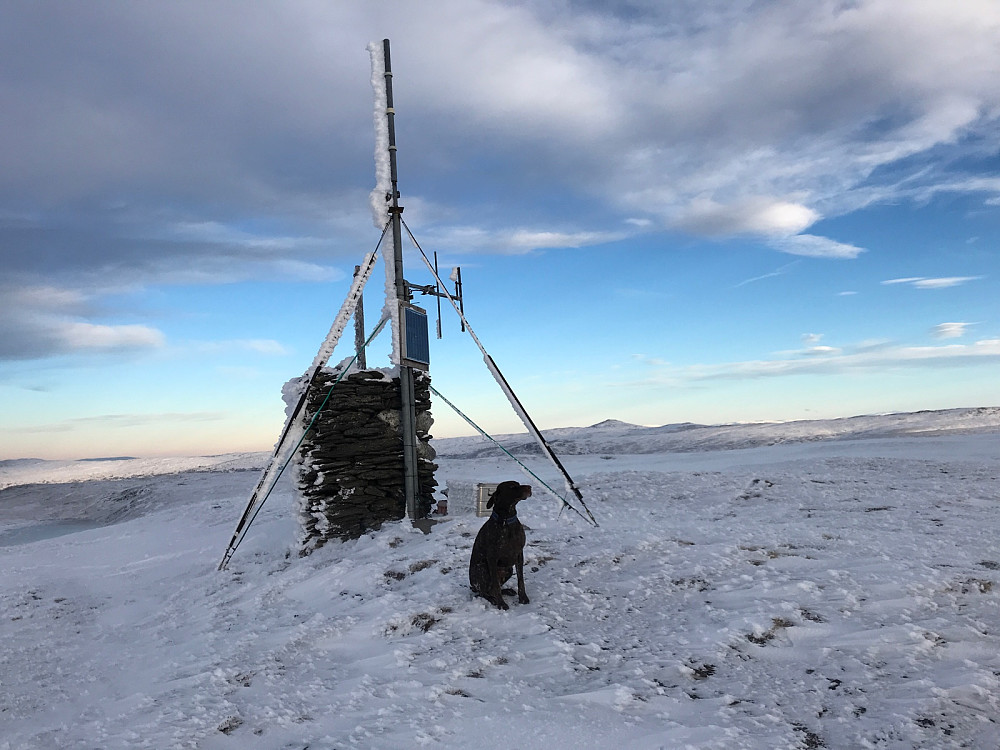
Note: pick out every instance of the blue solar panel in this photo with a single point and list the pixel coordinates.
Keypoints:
(416, 344)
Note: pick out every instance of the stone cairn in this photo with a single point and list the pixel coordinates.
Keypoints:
(350, 464)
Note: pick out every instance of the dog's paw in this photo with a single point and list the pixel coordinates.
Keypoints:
(523, 598)
(501, 604)
(508, 592)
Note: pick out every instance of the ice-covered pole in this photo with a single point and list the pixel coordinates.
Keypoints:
(384, 197)
(394, 210)
(379, 198)
(396, 293)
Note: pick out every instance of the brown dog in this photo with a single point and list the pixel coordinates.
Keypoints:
(499, 546)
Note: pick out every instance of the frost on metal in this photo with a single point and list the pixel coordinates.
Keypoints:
(383, 182)
(380, 197)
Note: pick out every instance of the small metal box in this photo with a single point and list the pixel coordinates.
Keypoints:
(484, 491)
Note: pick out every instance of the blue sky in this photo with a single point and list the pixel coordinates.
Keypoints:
(664, 212)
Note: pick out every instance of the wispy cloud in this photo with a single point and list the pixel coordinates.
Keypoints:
(126, 421)
(832, 361)
(950, 330)
(812, 347)
(812, 246)
(781, 270)
(82, 336)
(945, 282)
(524, 239)
(921, 282)
(46, 321)
(516, 241)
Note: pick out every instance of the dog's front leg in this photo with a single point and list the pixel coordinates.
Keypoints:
(495, 595)
(522, 596)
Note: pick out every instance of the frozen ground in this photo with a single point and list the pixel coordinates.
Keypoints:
(840, 593)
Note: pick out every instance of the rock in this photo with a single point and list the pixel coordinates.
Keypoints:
(350, 470)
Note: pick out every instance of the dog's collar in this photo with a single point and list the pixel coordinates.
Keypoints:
(506, 521)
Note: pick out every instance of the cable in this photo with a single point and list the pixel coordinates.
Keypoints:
(481, 431)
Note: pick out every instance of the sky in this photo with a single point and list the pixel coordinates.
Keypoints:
(697, 211)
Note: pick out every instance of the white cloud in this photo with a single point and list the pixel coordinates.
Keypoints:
(871, 345)
(640, 223)
(756, 215)
(45, 321)
(811, 246)
(950, 330)
(524, 239)
(921, 282)
(761, 103)
(811, 338)
(821, 351)
(83, 336)
(300, 270)
(471, 239)
(944, 283)
(873, 356)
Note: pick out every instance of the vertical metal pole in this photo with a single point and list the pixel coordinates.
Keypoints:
(359, 327)
(397, 235)
(458, 294)
(408, 421)
(437, 289)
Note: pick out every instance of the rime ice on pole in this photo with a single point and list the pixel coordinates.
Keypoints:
(382, 190)
(383, 182)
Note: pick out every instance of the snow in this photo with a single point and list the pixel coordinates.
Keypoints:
(383, 188)
(36, 471)
(383, 182)
(829, 592)
(344, 315)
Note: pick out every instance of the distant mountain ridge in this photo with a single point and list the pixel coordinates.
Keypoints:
(611, 437)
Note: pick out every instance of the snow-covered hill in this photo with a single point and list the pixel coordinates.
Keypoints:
(35, 470)
(839, 593)
(616, 437)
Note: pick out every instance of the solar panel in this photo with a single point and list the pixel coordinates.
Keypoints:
(416, 342)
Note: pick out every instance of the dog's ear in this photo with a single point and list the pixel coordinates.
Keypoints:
(489, 503)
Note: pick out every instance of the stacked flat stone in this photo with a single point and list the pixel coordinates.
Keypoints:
(350, 464)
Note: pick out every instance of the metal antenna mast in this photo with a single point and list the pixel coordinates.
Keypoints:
(409, 417)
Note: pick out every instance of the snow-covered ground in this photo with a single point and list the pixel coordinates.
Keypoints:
(789, 588)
